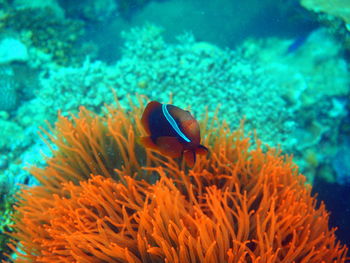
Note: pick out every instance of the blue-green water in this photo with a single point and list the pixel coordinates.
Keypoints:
(281, 65)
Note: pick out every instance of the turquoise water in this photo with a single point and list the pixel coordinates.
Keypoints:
(281, 65)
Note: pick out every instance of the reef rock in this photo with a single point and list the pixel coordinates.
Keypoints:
(12, 49)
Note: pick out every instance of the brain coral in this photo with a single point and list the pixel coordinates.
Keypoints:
(104, 198)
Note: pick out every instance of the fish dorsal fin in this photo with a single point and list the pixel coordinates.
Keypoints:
(173, 123)
(150, 108)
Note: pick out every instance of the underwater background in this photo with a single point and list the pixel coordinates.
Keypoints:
(283, 66)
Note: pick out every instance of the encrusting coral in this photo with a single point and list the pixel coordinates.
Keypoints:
(104, 198)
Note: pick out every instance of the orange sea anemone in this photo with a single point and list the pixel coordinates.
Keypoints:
(104, 198)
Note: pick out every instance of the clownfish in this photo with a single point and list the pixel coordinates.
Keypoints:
(172, 131)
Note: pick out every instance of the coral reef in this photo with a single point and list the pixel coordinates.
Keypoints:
(335, 15)
(337, 8)
(318, 100)
(12, 49)
(292, 89)
(18, 83)
(248, 82)
(89, 83)
(90, 10)
(127, 7)
(341, 164)
(223, 23)
(102, 10)
(8, 94)
(7, 200)
(104, 198)
(43, 29)
(11, 134)
(155, 68)
(51, 5)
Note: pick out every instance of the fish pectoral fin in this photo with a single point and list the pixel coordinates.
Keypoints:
(169, 146)
(190, 157)
(148, 143)
(202, 150)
